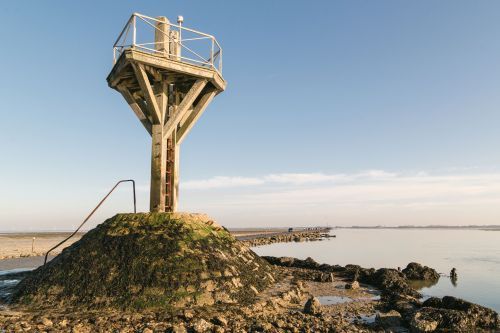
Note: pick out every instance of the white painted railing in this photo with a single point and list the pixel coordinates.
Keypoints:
(193, 46)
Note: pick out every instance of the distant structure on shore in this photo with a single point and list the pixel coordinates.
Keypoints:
(168, 82)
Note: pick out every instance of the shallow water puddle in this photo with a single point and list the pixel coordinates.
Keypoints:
(372, 298)
(332, 300)
(15, 270)
(366, 319)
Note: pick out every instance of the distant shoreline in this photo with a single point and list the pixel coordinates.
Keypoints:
(253, 230)
(457, 227)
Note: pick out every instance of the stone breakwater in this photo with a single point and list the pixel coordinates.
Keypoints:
(285, 237)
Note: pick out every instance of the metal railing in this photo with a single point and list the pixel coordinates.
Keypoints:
(92, 213)
(195, 47)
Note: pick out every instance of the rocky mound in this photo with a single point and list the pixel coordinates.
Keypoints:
(144, 261)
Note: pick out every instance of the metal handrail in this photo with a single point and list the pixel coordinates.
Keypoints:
(92, 213)
(214, 60)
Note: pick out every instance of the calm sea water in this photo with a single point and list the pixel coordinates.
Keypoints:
(474, 253)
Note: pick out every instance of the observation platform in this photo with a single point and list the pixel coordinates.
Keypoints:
(158, 66)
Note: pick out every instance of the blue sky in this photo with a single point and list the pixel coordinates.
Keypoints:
(339, 112)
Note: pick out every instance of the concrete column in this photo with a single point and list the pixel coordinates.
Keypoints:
(172, 156)
(158, 188)
(158, 169)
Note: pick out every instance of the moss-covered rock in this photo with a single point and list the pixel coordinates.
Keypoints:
(145, 261)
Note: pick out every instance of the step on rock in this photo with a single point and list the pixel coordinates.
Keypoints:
(145, 261)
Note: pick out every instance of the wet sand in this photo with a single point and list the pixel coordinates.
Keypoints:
(18, 245)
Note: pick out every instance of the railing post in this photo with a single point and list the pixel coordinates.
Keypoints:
(134, 32)
(212, 53)
(220, 60)
(135, 200)
(180, 19)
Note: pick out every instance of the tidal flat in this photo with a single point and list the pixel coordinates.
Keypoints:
(315, 292)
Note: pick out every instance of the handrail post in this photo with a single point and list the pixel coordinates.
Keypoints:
(134, 31)
(180, 32)
(212, 53)
(135, 201)
(220, 60)
(180, 20)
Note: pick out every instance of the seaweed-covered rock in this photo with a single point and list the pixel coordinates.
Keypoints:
(423, 321)
(154, 260)
(415, 271)
(358, 273)
(308, 263)
(454, 314)
(281, 261)
(391, 281)
(388, 319)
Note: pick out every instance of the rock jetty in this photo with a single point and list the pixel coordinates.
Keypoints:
(284, 237)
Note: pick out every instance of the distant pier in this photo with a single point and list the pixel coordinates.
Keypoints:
(269, 236)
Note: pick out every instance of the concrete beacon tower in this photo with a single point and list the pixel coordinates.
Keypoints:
(168, 74)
